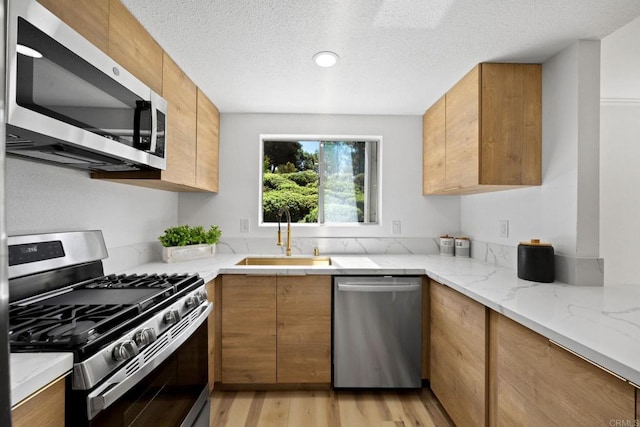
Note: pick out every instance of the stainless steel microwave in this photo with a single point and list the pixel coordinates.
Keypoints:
(70, 104)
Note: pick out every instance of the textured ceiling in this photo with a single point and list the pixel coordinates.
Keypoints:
(396, 56)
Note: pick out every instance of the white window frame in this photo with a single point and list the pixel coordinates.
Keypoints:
(320, 137)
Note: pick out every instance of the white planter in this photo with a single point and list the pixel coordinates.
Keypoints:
(187, 253)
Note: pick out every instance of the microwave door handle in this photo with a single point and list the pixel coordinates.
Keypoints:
(137, 124)
(154, 128)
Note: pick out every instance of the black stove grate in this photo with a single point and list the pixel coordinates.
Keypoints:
(71, 325)
(121, 281)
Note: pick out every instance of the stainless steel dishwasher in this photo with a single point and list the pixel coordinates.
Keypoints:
(377, 332)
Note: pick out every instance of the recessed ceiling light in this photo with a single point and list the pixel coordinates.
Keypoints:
(326, 59)
(28, 51)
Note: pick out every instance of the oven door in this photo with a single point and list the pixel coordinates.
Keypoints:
(175, 392)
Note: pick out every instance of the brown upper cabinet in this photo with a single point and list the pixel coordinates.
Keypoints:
(90, 18)
(485, 133)
(207, 144)
(182, 101)
(433, 148)
(132, 47)
(193, 121)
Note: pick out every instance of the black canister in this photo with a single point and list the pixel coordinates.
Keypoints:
(536, 261)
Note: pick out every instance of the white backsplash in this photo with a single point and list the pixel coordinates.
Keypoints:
(575, 271)
(495, 254)
(571, 270)
(331, 245)
(125, 257)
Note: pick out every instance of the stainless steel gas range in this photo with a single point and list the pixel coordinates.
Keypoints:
(139, 341)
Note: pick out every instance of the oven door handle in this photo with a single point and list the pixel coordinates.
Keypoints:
(146, 361)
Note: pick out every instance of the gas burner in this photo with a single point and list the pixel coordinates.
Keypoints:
(70, 325)
(123, 281)
(128, 281)
(82, 329)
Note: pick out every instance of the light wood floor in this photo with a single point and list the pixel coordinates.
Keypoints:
(327, 409)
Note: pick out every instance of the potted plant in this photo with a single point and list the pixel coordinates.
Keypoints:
(183, 242)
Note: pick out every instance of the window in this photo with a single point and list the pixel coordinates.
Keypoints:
(320, 180)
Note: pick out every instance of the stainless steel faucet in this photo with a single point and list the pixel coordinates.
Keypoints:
(280, 212)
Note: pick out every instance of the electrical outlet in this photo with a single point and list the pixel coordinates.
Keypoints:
(244, 225)
(504, 228)
(396, 226)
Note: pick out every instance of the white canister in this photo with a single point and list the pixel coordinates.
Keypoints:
(463, 246)
(446, 245)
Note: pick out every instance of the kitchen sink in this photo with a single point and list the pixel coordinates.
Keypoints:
(316, 260)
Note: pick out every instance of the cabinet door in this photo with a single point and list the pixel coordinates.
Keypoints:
(248, 329)
(433, 148)
(208, 143)
(536, 383)
(304, 329)
(90, 18)
(132, 47)
(511, 130)
(44, 408)
(463, 132)
(181, 95)
(212, 323)
(458, 355)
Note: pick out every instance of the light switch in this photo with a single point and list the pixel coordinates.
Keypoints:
(244, 225)
(396, 226)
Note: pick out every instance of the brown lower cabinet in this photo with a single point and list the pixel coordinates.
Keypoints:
(275, 329)
(458, 358)
(486, 369)
(248, 329)
(44, 408)
(534, 382)
(303, 329)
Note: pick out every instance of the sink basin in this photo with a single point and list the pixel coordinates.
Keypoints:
(316, 260)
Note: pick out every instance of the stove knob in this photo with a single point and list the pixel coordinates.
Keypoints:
(192, 301)
(145, 337)
(172, 317)
(203, 295)
(124, 350)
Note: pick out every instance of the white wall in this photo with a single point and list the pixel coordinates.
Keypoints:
(564, 210)
(42, 198)
(620, 155)
(401, 164)
(621, 63)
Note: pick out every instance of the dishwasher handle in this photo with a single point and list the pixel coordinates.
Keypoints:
(367, 287)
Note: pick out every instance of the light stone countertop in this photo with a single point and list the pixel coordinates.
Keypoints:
(601, 324)
(31, 371)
